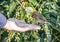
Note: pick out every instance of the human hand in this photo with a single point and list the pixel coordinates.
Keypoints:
(19, 25)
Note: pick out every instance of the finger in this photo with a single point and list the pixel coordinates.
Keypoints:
(34, 27)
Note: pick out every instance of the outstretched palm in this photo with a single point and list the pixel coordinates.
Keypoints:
(20, 25)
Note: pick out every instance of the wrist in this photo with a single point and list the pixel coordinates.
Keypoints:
(5, 25)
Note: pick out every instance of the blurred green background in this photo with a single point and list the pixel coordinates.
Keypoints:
(22, 9)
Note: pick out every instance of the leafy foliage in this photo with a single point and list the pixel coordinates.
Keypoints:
(50, 9)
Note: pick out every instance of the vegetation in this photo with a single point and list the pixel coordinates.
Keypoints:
(22, 10)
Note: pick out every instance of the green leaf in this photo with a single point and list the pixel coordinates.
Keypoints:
(34, 2)
(12, 7)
